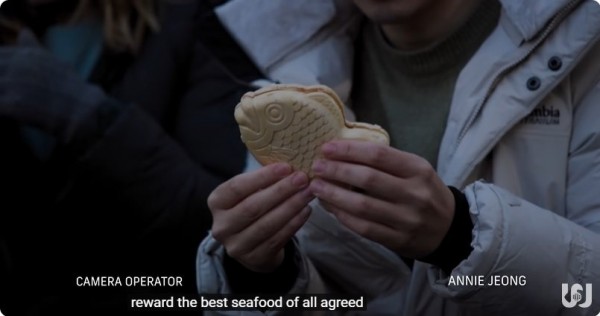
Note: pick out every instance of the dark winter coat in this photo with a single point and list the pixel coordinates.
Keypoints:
(133, 201)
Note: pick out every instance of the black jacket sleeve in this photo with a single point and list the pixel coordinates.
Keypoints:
(456, 245)
(164, 189)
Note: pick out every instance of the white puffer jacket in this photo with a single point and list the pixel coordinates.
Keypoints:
(524, 122)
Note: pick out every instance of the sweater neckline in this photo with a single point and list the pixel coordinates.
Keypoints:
(446, 54)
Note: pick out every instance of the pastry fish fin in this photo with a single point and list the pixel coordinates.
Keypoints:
(331, 103)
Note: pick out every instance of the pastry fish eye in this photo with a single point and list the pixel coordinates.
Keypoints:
(274, 113)
(278, 115)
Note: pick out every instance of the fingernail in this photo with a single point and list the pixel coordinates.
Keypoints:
(316, 186)
(299, 179)
(282, 169)
(328, 148)
(319, 167)
(307, 193)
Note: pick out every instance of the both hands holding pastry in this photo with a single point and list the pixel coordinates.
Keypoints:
(400, 203)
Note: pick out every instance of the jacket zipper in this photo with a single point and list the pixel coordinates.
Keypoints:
(551, 26)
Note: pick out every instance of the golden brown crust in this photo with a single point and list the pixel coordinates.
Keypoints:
(289, 123)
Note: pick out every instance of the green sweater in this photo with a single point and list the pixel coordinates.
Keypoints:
(409, 93)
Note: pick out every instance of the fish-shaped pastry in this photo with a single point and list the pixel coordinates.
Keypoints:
(289, 123)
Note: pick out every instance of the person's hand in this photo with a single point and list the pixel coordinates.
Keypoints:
(255, 214)
(400, 203)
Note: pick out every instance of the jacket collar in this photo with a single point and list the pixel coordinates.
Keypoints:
(529, 17)
(274, 29)
(271, 40)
